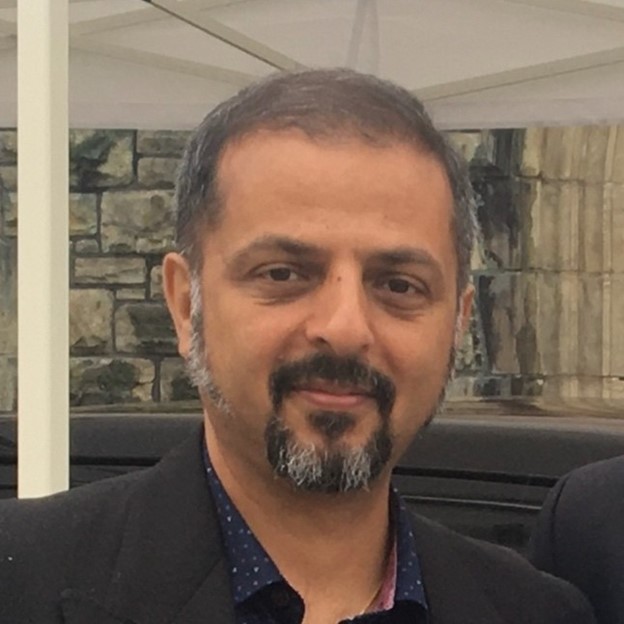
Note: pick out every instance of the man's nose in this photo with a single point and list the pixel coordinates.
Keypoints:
(339, 321)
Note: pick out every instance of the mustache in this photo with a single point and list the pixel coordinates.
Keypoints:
(350, 371)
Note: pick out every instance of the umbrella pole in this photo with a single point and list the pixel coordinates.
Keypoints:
(43, 248)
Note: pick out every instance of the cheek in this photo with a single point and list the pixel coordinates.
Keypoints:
(421, 360)
(245, 344)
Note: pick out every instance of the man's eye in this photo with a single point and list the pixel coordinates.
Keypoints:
(400, 286)
(281, 274)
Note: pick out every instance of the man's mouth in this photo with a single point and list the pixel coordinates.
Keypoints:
(328, 395)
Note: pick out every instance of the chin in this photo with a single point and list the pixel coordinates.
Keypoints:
(331, 466)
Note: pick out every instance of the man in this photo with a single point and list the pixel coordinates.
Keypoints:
(320, 290)
(579, 535)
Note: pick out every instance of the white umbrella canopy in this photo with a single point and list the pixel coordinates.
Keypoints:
(484, 63)
(162, 64)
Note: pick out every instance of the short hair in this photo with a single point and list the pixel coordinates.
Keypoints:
(322, 103)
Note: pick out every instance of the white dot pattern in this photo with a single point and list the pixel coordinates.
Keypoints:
(261, 594)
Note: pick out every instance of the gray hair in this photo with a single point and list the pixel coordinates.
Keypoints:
(321, 103)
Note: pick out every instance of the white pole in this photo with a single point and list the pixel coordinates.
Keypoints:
(43, 247)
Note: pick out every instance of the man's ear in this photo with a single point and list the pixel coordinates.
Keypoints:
(464, 313)
(177, 288)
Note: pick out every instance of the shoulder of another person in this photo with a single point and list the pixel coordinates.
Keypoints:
(495, 576)
(589, 498)
(603, 478)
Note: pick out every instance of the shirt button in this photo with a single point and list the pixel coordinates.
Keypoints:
(280, 597)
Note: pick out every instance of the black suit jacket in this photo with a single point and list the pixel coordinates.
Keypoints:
(580, 535)
(146, 549)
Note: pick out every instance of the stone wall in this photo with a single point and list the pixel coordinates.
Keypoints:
(553, 297)
(549, 272)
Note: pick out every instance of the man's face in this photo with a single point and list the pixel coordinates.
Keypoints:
(327, 306)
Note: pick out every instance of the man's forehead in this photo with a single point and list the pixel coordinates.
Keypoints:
(282, 159)
(345, 137)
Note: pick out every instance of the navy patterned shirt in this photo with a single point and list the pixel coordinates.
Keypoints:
(262, 595)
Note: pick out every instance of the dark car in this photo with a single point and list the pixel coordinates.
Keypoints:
(483, 468)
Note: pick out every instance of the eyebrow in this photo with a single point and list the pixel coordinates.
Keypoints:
(405, 255)
(394, 257)
(274, 243)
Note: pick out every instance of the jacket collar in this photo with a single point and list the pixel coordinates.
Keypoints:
(170, 568)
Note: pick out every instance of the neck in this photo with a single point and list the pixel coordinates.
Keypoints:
(316, 540)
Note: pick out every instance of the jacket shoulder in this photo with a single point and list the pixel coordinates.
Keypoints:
(578, 534)
(603, 480)
(501, 578)
(48, 518)
(40, 539)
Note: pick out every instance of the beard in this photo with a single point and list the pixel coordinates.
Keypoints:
(336, 467)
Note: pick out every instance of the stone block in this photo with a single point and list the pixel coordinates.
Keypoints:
(82, 214)
(90, 321)
(105, 381)
(524, 386)
(489, 386)
(562, 152)
(8, 296)
(174, 383)
(594, 155)
(461, 387)
(161, 142)
(156, 285)
(8, 212)
(505, 305)
(101, 159)
(583, 387)
(8, 384)
(157, 172)
(8, 177)
(568, 212)
(109, 270)
(130, 294)
(592, 232)
(558, 387)
(475, 147)
(144, 328)
(616, 323)
(617, 159)
(526, 199)
(587, 387)
(532, 148)
(616, 233)
(478, 259)
(546, 319)
(554, 227)
(568, 321)
(501, 221)
(137, 221)
(8, 147)
(581, 324)
(470, 356)
(613, 388)
(87, 246)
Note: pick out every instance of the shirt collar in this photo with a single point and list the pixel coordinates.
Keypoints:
(251, 568)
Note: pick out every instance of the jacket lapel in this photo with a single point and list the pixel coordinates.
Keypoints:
(454, 595)
(170, 568)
